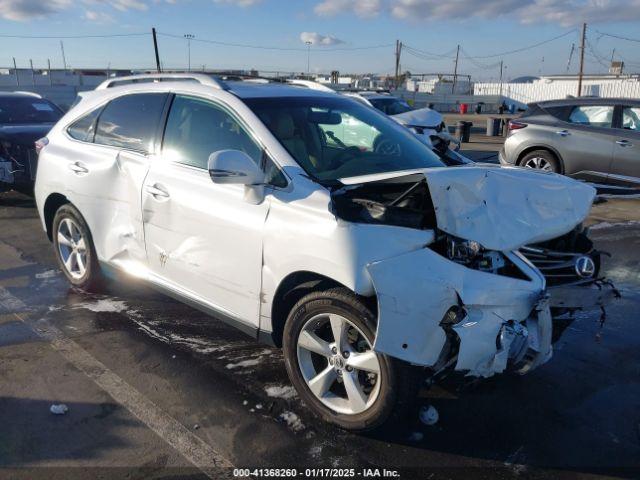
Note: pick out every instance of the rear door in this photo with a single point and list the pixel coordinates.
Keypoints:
(585, 141)
(113, 146)
(626, 158)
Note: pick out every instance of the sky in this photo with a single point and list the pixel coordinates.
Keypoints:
(356, 36)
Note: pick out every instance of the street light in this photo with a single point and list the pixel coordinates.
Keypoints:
(188, 36)
(308, 44)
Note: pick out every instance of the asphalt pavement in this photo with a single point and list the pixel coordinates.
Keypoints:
(155, 389)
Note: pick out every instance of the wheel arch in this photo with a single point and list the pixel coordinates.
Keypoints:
(51, 205)
(295, 286)
(547, 148)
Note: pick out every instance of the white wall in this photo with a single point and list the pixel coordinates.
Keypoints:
(540, 90)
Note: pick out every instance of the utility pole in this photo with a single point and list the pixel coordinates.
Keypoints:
(455, 71)
(308, 44)
(155, 49)
(64, 60)
(15, 69)
(501, 66)
(188, 36)
(398, 54)
(49, 66)
(33, 74)
(582, 42)
(573, 47)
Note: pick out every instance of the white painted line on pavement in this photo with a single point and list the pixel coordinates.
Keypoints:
(189, 445)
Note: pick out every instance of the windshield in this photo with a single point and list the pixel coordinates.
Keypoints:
(25, 110)
(333, 138)
(390, 106)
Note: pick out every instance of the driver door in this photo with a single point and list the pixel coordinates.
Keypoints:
(204, 240)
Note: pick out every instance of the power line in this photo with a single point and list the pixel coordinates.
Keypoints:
(263, 47)
(75, 36)
(529, 47)
(620, 37)
(425, 53)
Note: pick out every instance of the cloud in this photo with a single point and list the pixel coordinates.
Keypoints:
(99, 17)
(23, 10)
(239, 3)
(321, 40)
(562, 12)
(362, 8)
(20, 10)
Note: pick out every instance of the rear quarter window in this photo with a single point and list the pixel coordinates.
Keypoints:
(83, 129)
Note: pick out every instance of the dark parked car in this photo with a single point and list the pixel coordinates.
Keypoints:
(595, 139)
(24, 118)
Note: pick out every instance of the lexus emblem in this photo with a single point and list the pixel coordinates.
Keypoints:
(585, 267)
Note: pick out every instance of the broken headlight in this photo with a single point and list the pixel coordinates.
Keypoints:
(472, 255)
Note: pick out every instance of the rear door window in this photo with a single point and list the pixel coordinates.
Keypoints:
(131, 121)
(592, 115)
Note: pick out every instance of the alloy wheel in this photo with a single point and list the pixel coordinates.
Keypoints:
(72, 248)
(539, 163)
(338, 364)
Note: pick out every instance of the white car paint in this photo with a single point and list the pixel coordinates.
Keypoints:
(208, 245)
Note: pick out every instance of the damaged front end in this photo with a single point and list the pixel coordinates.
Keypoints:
(476, 300)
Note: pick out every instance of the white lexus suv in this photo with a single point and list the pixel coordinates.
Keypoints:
(365, 258)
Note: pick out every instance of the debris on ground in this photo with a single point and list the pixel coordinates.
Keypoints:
(428, 415)
(285, 392)
(196, 426)
(251, 362)
(59, 409)
(292, 420)
(46, 274)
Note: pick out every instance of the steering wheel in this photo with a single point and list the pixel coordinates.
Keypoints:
(337, 161)
(384, 146)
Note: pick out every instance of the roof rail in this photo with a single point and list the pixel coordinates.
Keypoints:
(201, 78)
(310, 84)
(31, 94)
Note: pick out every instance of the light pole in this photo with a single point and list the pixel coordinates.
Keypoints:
(308, 44)
(188, 36)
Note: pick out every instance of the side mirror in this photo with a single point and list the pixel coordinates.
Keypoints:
(234, 166)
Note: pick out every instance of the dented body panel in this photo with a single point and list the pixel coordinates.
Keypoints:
(411, 311)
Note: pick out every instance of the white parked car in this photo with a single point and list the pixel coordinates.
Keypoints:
(371, 265)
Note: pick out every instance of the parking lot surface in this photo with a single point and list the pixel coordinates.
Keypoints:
(155, 389)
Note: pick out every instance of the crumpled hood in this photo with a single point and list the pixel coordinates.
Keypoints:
(423, 117)
(506, 208)
(501, 208)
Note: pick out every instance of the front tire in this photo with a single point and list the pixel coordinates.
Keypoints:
(75, 251)
(328, 354)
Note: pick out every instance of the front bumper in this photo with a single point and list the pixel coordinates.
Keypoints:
(597, 294)
(503, 159)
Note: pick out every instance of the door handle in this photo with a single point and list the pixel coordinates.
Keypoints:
(156, 191)
(78, 168)
(624, 143)
(563, 133)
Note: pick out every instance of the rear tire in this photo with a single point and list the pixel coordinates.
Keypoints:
(541, 160)
(353, 386)
(75, 250)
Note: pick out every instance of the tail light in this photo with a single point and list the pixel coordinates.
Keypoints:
(516, 125)
(40, 144)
